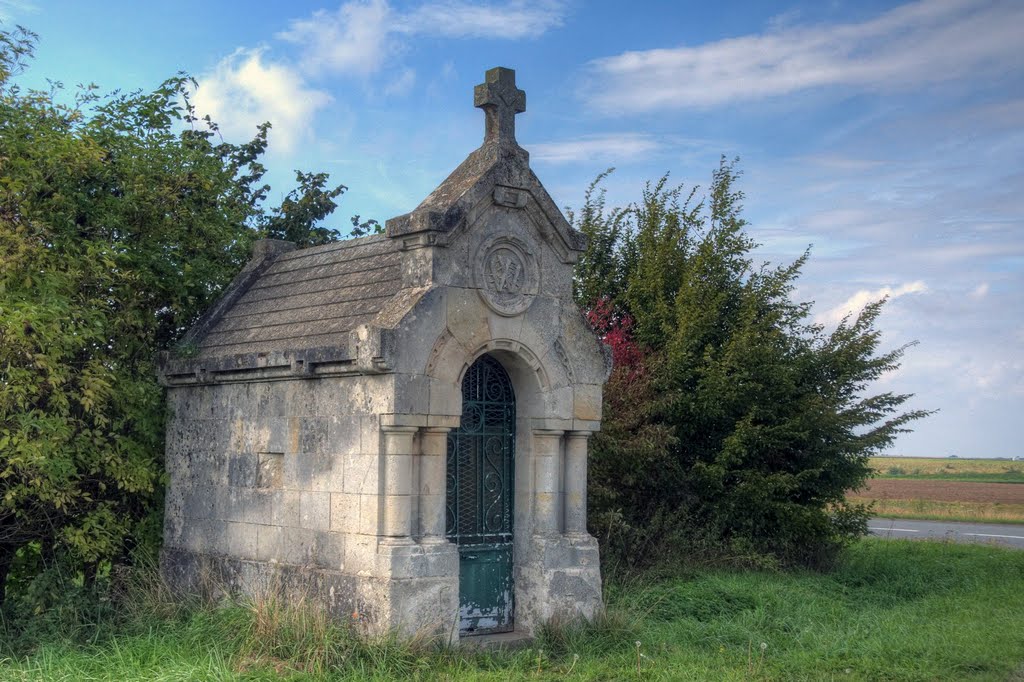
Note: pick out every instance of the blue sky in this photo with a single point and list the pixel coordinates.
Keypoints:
(888, 135)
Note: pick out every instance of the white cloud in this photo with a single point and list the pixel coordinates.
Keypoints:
(967, 370)
(980, 291)
(919, 43)
(617, 147)
(361, 35)
(508, 20)
(357, 39)
(1000, 378)
(10, 9)
(243, 91)
(350, 40)
(951, 254)
(856, 303)
(402, 84)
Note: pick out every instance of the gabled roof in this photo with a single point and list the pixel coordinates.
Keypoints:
(307, 299)
(294, 311)
(290, 310)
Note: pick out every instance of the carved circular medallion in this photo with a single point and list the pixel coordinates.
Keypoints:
(507, 275)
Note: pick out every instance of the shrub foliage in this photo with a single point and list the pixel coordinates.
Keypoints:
(121, 219)
(731, 420)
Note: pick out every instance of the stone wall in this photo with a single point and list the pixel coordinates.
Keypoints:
(282, 473)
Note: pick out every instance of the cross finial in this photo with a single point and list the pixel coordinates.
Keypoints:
(501, 100)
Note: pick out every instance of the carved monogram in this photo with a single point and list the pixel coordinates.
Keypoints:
(507, 274)
(504, 272)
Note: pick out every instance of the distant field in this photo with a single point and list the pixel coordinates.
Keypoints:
(942, 491)
(978, 490)
(945, 469)
(932, 510)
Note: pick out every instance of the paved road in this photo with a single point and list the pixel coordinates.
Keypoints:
(1009, 535)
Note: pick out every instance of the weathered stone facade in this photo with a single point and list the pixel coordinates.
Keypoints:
(310, 418)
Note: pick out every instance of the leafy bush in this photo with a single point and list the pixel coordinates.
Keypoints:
(733, 425)
(122, 217)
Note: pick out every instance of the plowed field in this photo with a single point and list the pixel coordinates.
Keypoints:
(945, 491)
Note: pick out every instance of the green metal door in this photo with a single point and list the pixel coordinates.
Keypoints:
(479, 497)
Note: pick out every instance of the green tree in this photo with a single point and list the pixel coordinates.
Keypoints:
(730, 417)
(295, 220)
(121, 219)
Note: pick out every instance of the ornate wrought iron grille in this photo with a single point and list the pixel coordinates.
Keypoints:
(480, 458)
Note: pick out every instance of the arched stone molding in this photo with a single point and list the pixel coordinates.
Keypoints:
(519, 353)
(450, 357)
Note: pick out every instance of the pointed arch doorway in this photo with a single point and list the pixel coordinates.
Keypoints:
(481, 471)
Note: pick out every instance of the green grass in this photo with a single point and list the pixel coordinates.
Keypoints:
(891, 610)
(938, 469)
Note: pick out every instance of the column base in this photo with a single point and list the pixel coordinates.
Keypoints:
(416, 589)
(561, 581)
(398, 542)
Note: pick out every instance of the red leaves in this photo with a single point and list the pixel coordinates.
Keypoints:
(615, 328)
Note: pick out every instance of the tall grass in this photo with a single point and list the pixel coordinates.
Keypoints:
(889, 610)
(935, 510)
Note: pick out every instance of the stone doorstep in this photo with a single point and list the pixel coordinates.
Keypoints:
(499, 641)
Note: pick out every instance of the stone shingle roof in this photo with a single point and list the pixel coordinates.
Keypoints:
(308, 298)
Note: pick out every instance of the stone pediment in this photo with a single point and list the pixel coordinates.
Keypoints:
(498, 173)
(493, 175)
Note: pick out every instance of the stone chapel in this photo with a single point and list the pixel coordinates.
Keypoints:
(395, 427)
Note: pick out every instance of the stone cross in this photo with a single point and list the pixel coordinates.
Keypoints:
(501, 100)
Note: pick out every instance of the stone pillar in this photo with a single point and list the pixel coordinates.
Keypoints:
(433, 484)
(576, 482)
(396, 491)
(547, 451)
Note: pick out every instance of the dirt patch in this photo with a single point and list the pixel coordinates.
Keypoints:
(946, 491)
